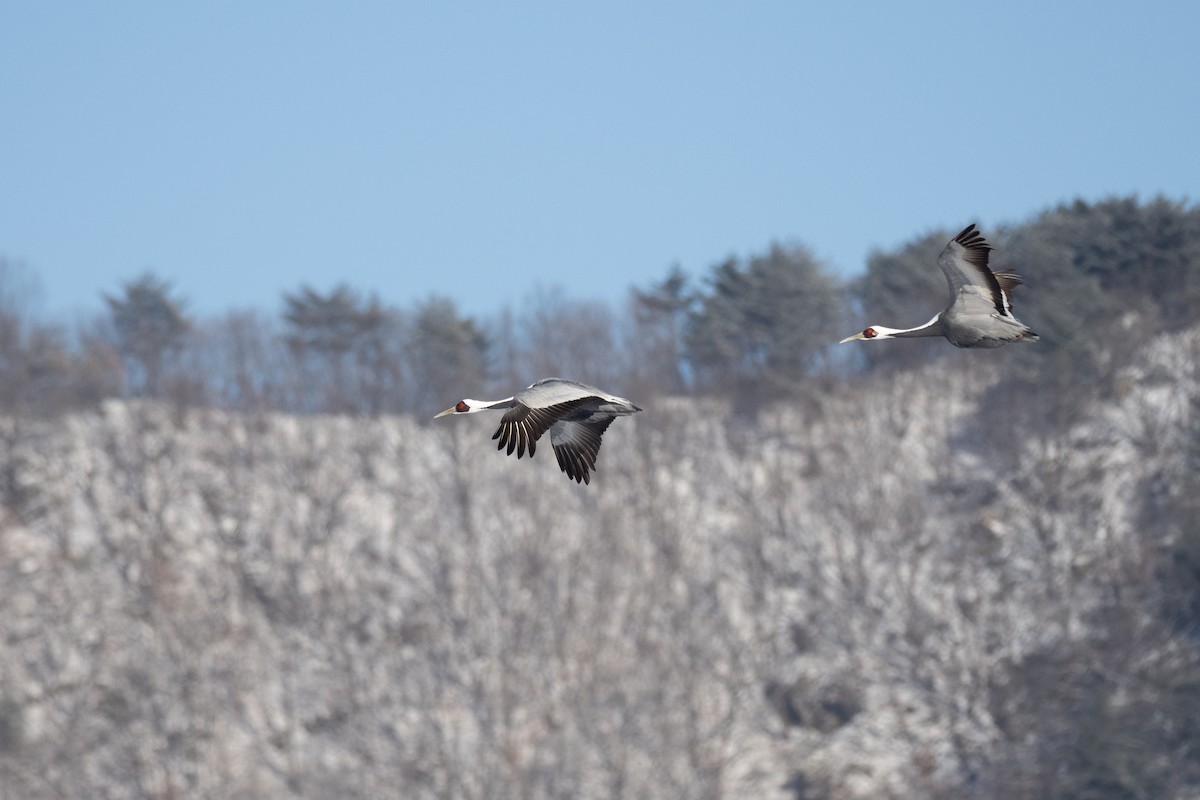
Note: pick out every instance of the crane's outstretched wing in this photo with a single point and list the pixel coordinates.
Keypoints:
(964, 262)
(576, 444)
(1008, 280)
(521, 426)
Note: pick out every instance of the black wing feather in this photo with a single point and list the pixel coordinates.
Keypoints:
(1008, 281)
(521, 426)
(577, 450)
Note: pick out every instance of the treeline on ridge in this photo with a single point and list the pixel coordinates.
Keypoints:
(1101, 279)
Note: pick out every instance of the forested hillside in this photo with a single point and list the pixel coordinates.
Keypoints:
(239, 560)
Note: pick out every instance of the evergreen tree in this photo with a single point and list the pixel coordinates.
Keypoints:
(764, 325)
(150, 326)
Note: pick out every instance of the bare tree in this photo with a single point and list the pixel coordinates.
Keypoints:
(570, 338)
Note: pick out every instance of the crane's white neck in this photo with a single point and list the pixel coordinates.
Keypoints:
(483, 405)
(469, 406)
(931, 328)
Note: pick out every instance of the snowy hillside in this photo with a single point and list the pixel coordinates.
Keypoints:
(854, 596)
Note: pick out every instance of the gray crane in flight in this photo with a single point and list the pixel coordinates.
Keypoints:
(980, 310)
(575, 414)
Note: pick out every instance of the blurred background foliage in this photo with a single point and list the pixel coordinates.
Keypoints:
(1108, 712)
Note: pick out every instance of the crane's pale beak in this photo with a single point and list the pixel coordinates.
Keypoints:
(852, 338)
(449, 410)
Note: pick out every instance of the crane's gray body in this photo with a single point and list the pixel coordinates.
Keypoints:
(596, 403)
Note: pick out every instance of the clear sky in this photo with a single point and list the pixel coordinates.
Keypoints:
(481, 151)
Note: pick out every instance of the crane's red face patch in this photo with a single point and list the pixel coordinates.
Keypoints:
(461, 407)
(869, 333)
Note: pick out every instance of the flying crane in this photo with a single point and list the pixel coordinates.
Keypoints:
(575, 414)
(980, 310)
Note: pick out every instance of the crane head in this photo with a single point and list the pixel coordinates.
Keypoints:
(467, 406)
(869, 333)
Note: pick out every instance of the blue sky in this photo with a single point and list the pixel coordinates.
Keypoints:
(486, 151)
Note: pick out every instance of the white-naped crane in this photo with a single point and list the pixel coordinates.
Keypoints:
(980, 310)
(575, 414)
